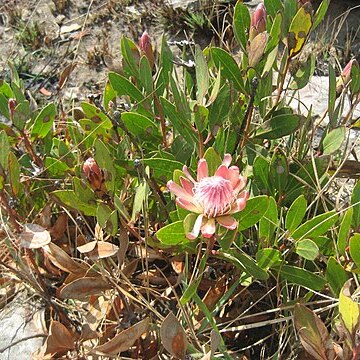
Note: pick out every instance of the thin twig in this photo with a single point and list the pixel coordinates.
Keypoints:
(21, 340)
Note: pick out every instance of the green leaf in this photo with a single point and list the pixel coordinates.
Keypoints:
(268, 223)
(5, 149)
(21, 115)
(14, 174)
(94, 114)
(333, 140)
(275, 33)
(295, 213)
(304, 73)
(255, 209)
(344, 231)
(180, 123)
(172, 234)
(335, 275)
(316, 226)
(355, 203)
(218, 112)
(278, 126)
(266, 258)
(44, 121)
(229, 67)
(245, 263)
(131, 56)
(279, 171)
(213, 160)
(141, 126)
(202, 75)
(55, 167)
(163, 168)
(307, 249)
(141, 195)
(105, 161)
(123, 86)
(273, 6)
(320, 13)
(354, 244)
(261, 174)
(302, 277)
(71, 200)
(241, 24)
(349, 310)
(109, 95)
(146, 75)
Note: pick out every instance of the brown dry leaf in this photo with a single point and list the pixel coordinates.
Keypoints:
(173, 336)
(82, 288)
(34, 236)
(313, 334)
(256, 48)
(83, 249)
(57, 231)
(178, 266)
(130, 268)
(60, 340)
(215, 293)
(125, 340)
(65, 74)
(98, 310)
(62, 260)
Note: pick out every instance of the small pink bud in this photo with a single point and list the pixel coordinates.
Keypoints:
(345, 77)
(93, 173)
(11, 106)
(146, 47)
(258, 21)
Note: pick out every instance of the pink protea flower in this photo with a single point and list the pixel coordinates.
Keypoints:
(146, 47)
(215, 198)
(258, 21)
(345, 77)
(93, 173)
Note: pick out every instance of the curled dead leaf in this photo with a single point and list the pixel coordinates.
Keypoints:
(98, 249)
(125, 340)
(173, 336)
(60, 340)
(62, 260)
(82, 288)
(34, 236)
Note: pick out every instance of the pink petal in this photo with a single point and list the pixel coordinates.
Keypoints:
(228, 222)
(196, 229)
(208, 229)
(240, 203)
(187, 173)
(179, 191)
(241, 184)
(222, 171)
(202, 169)
(188, 206)
(187, 185)
(234, 176)
(227, 160)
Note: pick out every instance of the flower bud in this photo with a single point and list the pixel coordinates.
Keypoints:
(258, 21)
(93, 173)
(11, 106)
(146, 47)
(345, 76)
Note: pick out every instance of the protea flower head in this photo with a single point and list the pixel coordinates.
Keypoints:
(258, 21)
(93, 173)
(146, 47)
(215, 198)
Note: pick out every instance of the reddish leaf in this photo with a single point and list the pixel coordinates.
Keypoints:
(60, 340)
(173, 336)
